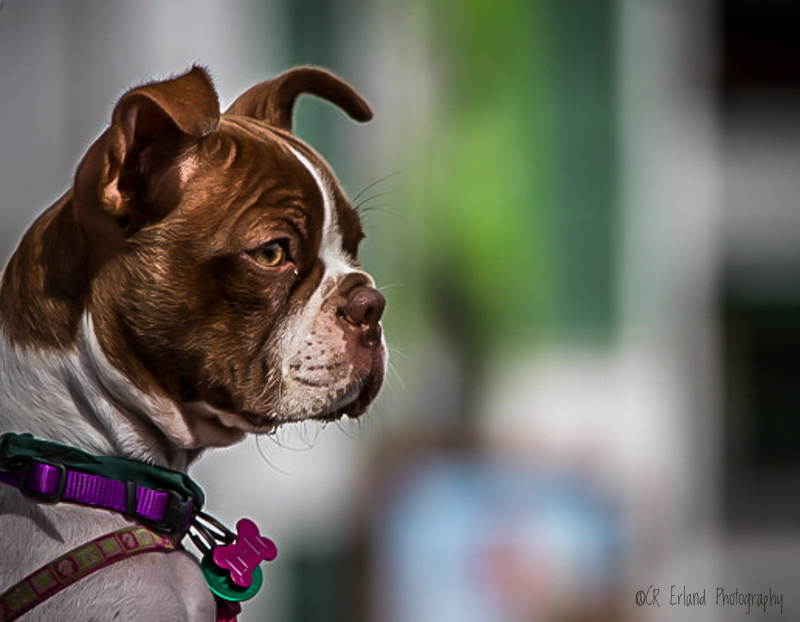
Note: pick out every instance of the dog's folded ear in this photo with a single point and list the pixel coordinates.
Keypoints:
(273, 101)
(152, 128)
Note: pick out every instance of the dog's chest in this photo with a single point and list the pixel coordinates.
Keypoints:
(156, 586)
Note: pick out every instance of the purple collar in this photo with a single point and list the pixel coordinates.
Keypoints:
(162, 499)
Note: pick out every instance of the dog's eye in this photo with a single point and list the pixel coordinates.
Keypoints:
(270, 255)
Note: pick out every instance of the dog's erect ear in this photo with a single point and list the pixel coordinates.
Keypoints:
(152, 127)
(273, 101)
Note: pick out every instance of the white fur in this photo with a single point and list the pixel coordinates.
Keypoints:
(50, 395)
(330, 251)
(78, 398)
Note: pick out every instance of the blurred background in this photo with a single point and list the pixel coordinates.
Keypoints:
(584, 216)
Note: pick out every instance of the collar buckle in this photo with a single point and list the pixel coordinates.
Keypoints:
(43, 480)
(178, 513)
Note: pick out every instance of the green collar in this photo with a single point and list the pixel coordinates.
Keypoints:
(18, 450)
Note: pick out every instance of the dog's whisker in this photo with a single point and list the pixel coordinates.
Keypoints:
(367, 204)
(344, 431)
(375, 183)
(279, 441)
(394, 374)
(376, 418)
(385, 287)
(310, 444)
(300, 430)
(372, 202)
(302, 434)
(381, 413)
(372, 197)
(371, 186)
(266, 460)
(395, 350)
(383, 209)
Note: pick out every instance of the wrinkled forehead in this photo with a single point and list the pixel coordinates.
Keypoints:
(280, 163)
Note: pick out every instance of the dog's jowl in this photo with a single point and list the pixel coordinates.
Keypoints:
(199, 280)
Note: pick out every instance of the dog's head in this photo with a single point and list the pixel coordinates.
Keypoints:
(221, 255)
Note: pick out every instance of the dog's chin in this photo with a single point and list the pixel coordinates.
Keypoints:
(353, 402)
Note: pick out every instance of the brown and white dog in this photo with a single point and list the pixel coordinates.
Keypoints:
(199, 281)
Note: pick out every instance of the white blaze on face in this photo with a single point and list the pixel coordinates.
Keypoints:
(330, 250)
(315, 367)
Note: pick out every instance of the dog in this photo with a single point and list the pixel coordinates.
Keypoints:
(198, 282)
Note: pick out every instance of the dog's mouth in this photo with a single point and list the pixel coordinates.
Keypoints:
(340, 406)
(310, 402)
(353, 402)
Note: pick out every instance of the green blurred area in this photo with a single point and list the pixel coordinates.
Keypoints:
(498, 234)
(490, 179)
(507, 216)
(520, 189)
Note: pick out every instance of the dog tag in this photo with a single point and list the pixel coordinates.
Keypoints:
(232, 571)
(219, 581)
(244, 554)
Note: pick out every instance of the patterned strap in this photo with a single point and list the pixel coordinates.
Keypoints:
(77, 564)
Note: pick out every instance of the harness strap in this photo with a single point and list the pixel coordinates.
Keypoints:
(76, 564)
(164, 500)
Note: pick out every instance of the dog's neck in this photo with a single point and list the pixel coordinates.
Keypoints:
(78, 398)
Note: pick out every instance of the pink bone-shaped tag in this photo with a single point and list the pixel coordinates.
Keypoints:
(245, 553)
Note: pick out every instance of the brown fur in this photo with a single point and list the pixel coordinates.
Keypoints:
(152, 240)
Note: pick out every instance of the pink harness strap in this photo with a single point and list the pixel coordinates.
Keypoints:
(168, 501)
(78, 563)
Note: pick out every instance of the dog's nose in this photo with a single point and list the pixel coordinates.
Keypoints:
(363, 310)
